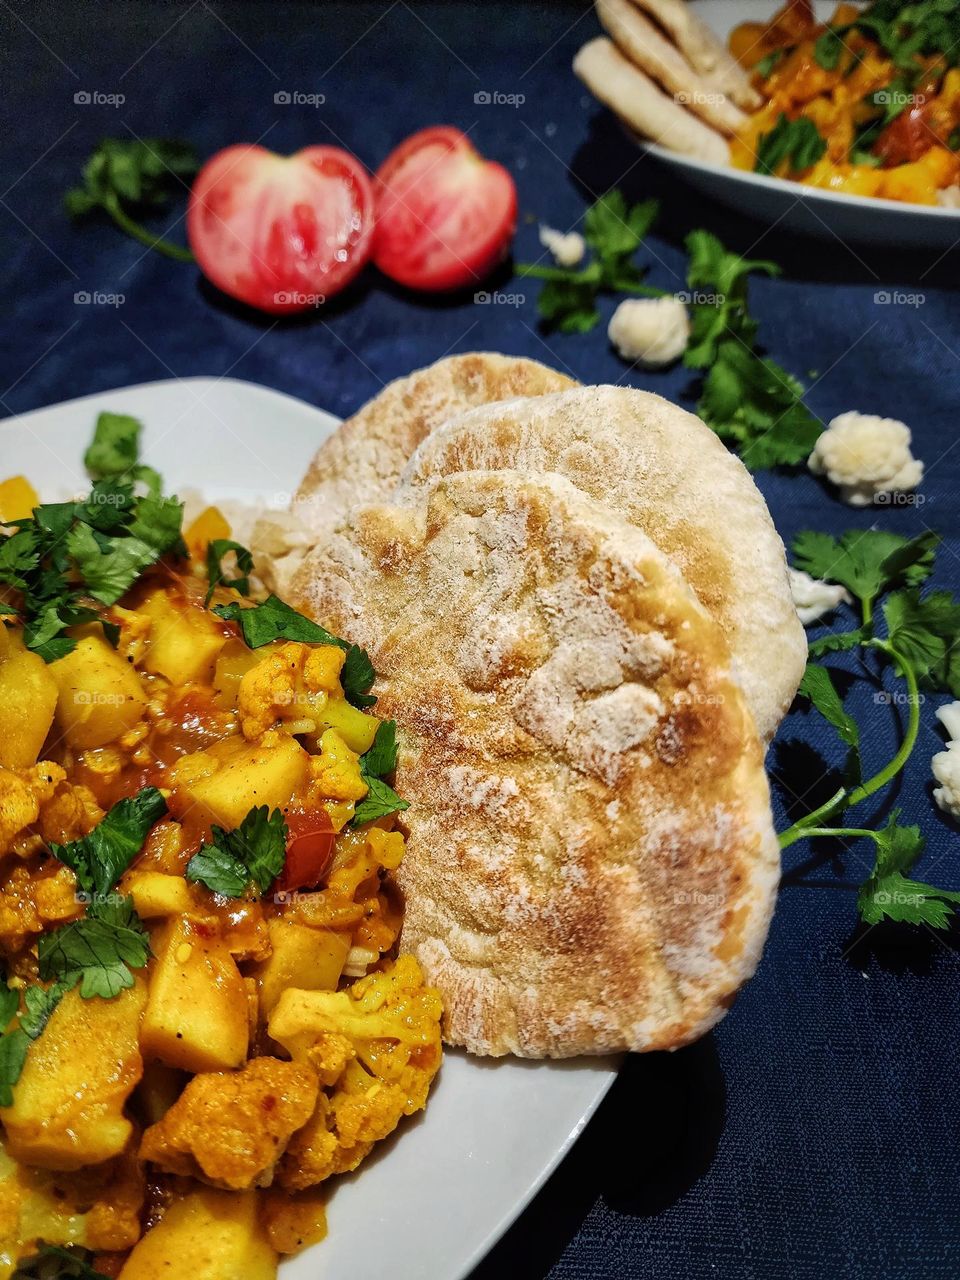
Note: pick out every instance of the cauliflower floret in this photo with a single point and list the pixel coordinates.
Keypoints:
(336, 770)
(385, 1030)
(651, 331)
(865, 455)
(321, 670)
(813, 598)
(946, 764)
(229, 1128)
(274, 690)
(22, 792)
(567, 248)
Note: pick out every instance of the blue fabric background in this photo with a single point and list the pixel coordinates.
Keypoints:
(815, 1132)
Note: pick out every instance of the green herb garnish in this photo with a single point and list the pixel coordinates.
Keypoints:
(798, 142)
(216, 550)
(99, 951)
(375, 764)
(251, 855)
(100, 858)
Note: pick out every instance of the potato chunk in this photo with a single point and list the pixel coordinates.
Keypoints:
(100, 696)
(310, 959)
(208, 1235)
(68, 1103)
(229, 1128)
(223, 783)
(183, 643)
(28, 699)
(197, 1012)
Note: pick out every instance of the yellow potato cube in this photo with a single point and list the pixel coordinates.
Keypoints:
(222, 784)
(18, 498)
(208, 1235)
(183, 643)
(100, 695)
(28, 699)
(356, 728)
(155, 894)
(311, 959)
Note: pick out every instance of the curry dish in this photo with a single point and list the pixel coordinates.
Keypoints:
(205, 1015)
(868, 104)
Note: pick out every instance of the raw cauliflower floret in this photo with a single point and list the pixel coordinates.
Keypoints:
(946, 764)
(865, 455)
(229, 1128)
(651, 331)
(567, 248)
(336, 770)
(385, 1031)
(813, 598)
(22, 792)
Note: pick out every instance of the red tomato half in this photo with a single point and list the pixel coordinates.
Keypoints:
(445, 216)
(309, 853)
(281, 233)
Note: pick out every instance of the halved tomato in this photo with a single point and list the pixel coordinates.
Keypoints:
(310, 845)
(445, 216)
(282, 233)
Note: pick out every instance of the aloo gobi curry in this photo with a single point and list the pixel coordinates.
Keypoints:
(204, 1017)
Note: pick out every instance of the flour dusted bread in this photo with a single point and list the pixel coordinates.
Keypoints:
(667, 473)
(591, 862)
(702, 49)
(362, 460)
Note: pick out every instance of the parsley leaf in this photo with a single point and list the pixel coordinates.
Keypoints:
(766, 64)
(126, 177)
(100, 858)
(271, 620)
(97, 951)
(867, 562)
(115, 451)
(381, 758)
(889, 894)
(796, 144)
(926, 632)
(216, 550)
(379, 801)
(14, 1042)
(828, 47)
(614, 231)
(817, 685)
(53, 1262)
(254, 853)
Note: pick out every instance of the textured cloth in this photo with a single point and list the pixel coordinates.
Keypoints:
(814, 1133)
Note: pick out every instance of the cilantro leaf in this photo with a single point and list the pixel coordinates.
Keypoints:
(15, 1042)
(271, 620)
(9, 1003)
(794, 144)
(99, 859)
(569, 305)
(157, 521)
(926, 632)
(867, 562)
(381, 758)
(71, 1263)
(125, 177)
(817, 685)
(890, 894)
(379, 801)
(216, 550)
(97, 951)
(828, 47)
(252, 854)
(109, 566)
(838, 641)
(766, 64)
(13, 1054)
(115, 448)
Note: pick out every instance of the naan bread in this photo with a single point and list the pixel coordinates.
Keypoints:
(644, 44)
(667, 473)
(643, 105)
(703, 50)
(362, 460)
(591, 863)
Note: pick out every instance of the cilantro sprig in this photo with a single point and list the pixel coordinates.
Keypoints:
(216, 574)
(15, 1040)
(99, 859)
(234, 862)
(748, 399)
(568, 300)
(921, 647)
(375, 764)
(272, 619)
(129, 177)
(97, 951)
(53, 1262)
(793, 144)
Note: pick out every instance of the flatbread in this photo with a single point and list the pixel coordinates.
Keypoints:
(591, 862)
(647, 47)
(362, 460)
(703, 50)
(667, 473)
(643, 105)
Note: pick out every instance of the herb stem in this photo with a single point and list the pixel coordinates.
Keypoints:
(176, 251)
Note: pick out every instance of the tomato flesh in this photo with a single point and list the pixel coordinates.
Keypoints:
(281, 233)
(445, 216)
(310, 845)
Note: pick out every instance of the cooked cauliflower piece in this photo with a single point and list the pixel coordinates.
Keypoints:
(865, 455)
(377, 1048)
(22, 792)
(813, 597)
(229, 1128)
(946, 764)
(336, 770)
(650, 331)
(567, 248)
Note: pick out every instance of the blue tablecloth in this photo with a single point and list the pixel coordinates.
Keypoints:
(814, 1134)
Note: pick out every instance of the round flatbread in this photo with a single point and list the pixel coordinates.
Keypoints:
(703, 50)
(591, 863)
(653, 53)
(667, 473)
(641, 104)
(362, 460)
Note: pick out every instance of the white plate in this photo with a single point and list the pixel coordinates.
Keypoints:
(827, 214)
(446, 1188)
